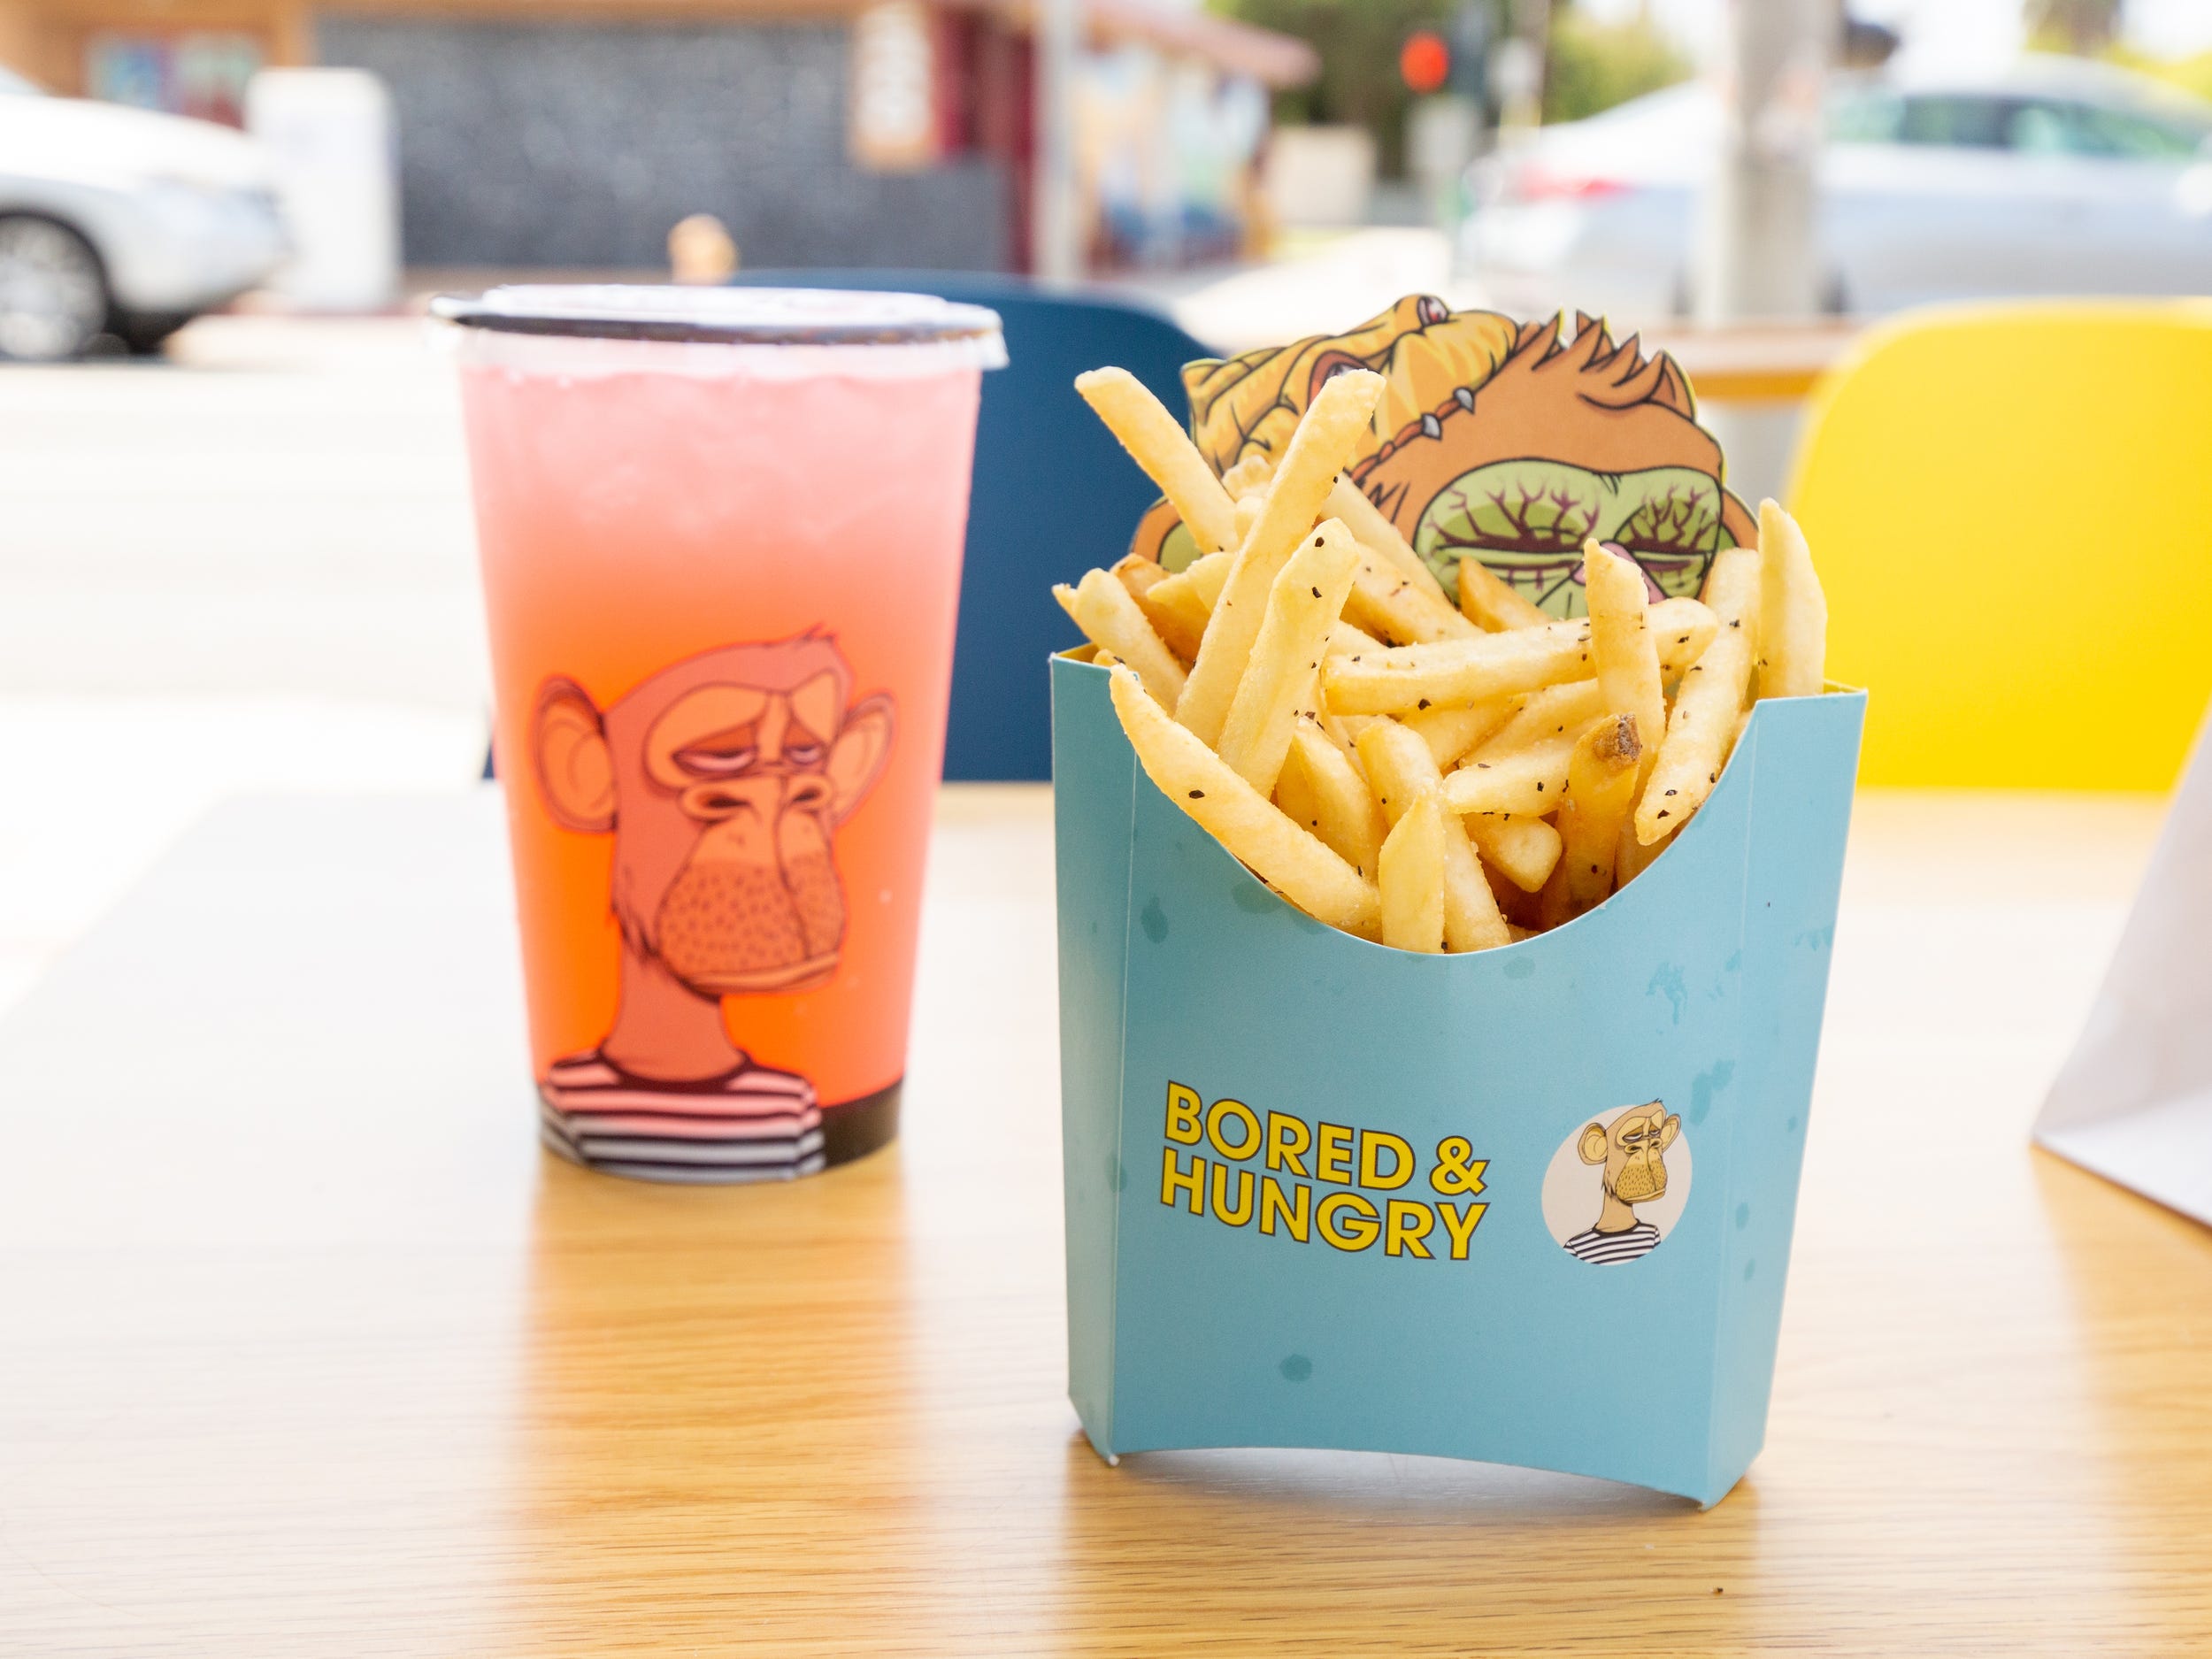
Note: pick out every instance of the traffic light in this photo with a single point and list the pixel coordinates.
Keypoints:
(1424, 62)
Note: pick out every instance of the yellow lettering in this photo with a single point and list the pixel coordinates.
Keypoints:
(1460, 1220)
(1182, 1115)
(1247, 1143)
(1406, 1222)
(1242, 1213)
(1360, 1232)
(1173, 1180)
(1374, 1140)
(1334, 1162)
(1272, 1203)
(1288, 1140)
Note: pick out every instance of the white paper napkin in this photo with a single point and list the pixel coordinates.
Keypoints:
(2133, 1102)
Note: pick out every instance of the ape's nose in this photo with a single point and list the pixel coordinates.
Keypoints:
(808, 789)
(714, 800)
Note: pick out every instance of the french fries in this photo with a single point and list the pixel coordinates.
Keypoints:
(1554, 711)
(1524, 851)
(1249, 476)
(1631, 857)
(1157, 442)
(1450, 672)
(1526, 783)
(1374, 530)
(1393, 606)
(1488, 601)
(1287, 858)
(1451, 733)
(1792, 610)
(1105, 609)
(1411, 678)
(1702, 728)
(1621, 641)
(1601, 776)
(1403, 773)
(1301, 608)
(1140, 577)
(1413, 878)
(1437, 778)
(1318, 447)
(1321, 789)
(1344, 639)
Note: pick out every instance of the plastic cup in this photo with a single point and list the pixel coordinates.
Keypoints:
(720, 533)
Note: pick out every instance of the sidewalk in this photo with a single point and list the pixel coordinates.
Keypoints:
(248, 568)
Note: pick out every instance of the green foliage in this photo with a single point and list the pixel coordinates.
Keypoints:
(1592, 66)
(1358, 41)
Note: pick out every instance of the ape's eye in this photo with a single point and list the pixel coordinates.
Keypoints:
(712, 759)
(804, 754)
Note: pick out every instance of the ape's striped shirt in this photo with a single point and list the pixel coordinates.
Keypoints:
(1607, 1248)
(750, 1124)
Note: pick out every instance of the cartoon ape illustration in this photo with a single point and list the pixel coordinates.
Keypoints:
(1634, 1153)
(1501, 440)
(723, 779)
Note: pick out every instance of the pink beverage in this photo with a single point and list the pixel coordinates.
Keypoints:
(721, 534)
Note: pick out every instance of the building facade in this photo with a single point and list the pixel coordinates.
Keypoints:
(822, 133)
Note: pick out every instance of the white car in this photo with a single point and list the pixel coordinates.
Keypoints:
(116, 220)
(2056, 177)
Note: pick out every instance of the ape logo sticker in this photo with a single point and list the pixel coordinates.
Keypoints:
(1503, 441)
(723, 779)
(1618, 1185)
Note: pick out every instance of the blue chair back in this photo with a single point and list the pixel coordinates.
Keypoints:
(1055, 495)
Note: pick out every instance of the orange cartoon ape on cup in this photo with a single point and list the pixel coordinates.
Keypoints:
(1634, 1154)
(723, 779)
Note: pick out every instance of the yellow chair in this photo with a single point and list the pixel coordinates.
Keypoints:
(2011, 507)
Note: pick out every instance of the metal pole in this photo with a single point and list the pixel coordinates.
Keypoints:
(1055, 230)
(1758, 246)
(1519, 67)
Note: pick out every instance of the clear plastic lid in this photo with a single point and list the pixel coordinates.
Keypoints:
(857, 329)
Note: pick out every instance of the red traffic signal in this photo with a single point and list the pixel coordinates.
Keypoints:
(1424, 61)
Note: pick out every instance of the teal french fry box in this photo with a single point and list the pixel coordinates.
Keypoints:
(1530, 1205)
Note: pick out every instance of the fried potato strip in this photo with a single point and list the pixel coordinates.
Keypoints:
(1709, 704)
(1287, 858)
(1320, 446)
(1157, 442)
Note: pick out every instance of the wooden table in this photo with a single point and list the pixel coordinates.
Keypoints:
(307, 1350)
(1758, 362)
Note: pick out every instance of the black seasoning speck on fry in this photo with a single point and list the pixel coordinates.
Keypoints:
(1198, 795)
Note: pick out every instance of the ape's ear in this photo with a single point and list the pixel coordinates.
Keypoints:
(575, 768)
(855, 760)
(1593, 1144)
(1666, 1135)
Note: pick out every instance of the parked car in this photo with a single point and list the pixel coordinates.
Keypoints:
(2055, 176)
(122, 221)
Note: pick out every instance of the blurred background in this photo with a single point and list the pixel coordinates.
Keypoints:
(238, 549)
